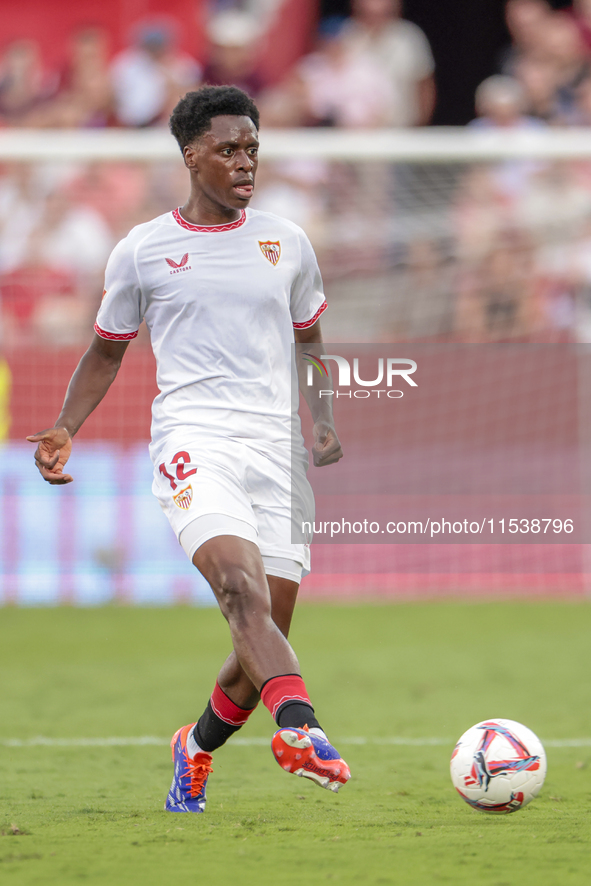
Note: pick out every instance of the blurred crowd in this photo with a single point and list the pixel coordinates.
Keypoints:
(471, 252)
(372, 68)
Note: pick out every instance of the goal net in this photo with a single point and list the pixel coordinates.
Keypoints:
(441, 238)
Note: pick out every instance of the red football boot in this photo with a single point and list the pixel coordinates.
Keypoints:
(308, 755)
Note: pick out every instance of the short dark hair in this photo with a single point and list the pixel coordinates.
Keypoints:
(193, 114)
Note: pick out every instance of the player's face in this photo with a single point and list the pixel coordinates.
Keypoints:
(224, 162)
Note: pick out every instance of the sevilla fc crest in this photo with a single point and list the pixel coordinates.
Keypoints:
(184, 498)
(271, 249)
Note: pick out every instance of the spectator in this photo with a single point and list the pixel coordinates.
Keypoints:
(403, 53)
(343, 88)
(548, 57)
(235, 39)
(525, 19)
(285, 105)
(421, 303)
(86, 87)
(116, 191)
(500, 103)
(19, 199)
(85, 97)
(23, 83)
(539, 82)
(60, 235)
(500, 297)
(557, 205)
(480, 214)
(52, 265)
(562, 47)
(150, 76)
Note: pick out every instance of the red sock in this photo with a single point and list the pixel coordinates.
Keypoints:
(224, 708)
(278, 690)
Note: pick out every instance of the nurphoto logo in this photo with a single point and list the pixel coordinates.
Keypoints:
(388, 370)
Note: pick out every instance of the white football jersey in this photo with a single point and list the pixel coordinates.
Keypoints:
(221, 304)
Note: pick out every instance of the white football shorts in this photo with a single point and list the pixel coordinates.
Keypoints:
(225, 487)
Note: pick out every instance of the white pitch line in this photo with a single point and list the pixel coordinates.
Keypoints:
(143, 740)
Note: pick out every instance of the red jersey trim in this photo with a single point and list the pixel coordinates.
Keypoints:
(211, 229)
(115, 336)
(312, 321)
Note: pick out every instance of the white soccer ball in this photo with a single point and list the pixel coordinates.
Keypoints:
(498, 766)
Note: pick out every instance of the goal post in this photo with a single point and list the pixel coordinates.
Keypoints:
(422, 145)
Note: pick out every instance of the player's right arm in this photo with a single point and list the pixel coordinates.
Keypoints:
(92, 379)
(118, 321)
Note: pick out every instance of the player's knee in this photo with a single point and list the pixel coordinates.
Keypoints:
(242, 597)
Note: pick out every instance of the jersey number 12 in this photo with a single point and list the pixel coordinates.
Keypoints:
(179, 461)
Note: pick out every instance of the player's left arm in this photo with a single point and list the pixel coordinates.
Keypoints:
(327, 448)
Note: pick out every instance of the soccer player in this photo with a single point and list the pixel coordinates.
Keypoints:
(223, 290)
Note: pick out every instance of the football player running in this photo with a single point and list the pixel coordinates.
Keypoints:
(224, 291)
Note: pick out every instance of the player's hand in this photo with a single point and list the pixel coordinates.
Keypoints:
(52, 453)
(327, 448)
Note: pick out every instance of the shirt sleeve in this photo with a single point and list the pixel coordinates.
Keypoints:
(307, 293)
(120, 313)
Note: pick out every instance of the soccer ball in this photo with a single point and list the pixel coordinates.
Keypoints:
(498, 766)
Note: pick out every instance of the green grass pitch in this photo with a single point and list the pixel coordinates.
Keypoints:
(384, 678)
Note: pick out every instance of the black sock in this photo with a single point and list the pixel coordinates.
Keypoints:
(297, 714)
(211, 731)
